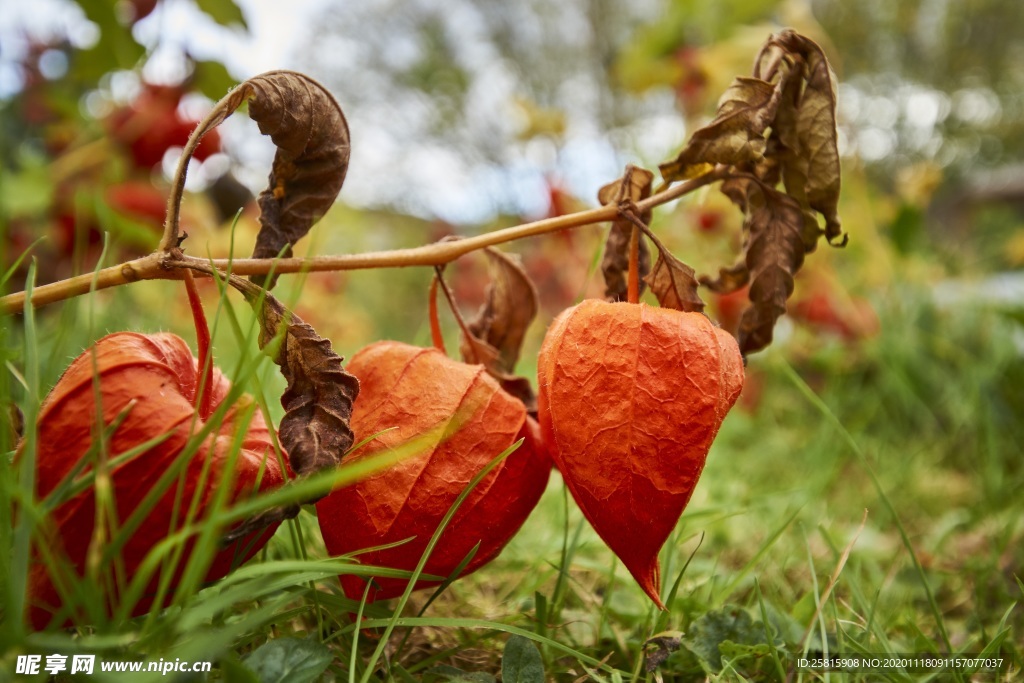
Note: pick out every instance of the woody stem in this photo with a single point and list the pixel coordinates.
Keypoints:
(633, 281)
(158, 265)
(205, 388)
(469, 336)
(435, 323)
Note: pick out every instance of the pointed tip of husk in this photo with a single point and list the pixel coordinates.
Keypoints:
(649, 578)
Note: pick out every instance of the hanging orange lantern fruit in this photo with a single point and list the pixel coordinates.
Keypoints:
(467, 420)
(631, 397)
(143, 386)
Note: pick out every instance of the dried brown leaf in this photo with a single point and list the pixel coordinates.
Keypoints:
(502, 321)
(498, 329)
(735, 136)
(311, 134)
(729, 279)
(634, 185)
(658, 648)
(805, 129)
(307, 125)
(791, 99)
(774, 251)
(318, 400)
(674, 284)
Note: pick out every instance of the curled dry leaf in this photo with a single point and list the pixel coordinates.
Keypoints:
(729, 280)
(658, 648)
(502, 321)
(792, 94)
(308, 127)
(633, 186)
(736, 135)
(318, 400)
(791, 99)
(311, 134)
(805, 125)
(774, 251)
(673, 282)
(496, 332)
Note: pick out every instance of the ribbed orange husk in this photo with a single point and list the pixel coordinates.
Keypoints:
(421, 392)
(158, 377)
(630, 399)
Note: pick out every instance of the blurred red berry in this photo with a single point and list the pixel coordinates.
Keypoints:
(152, 124)
(851, 320)
(729, 308)
(709, 220)
(138, 199)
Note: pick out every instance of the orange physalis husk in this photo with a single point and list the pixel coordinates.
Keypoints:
(631, 397)
(470, 420)
(151, 381)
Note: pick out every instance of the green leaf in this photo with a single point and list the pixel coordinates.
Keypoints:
(752, 656)
(237, 672)
(224, 12)
(784, 627)
(729, 626)
(290, 660)
(521, 662)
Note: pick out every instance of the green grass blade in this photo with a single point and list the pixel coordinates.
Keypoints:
(827, 413)
(22, 538)
(455, 623)
(430, 549)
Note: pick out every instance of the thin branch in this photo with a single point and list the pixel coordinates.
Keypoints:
(223, 109)
(145, 268)
(161, 264)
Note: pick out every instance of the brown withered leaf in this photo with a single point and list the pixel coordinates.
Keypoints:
(498, 328)
(658, 648)
(311, 134)
(774, 251)
(805, 128)
(510, 307)
(634, 185)
(729, 279)
(674, 284)
(318, 400)
(735, 137)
